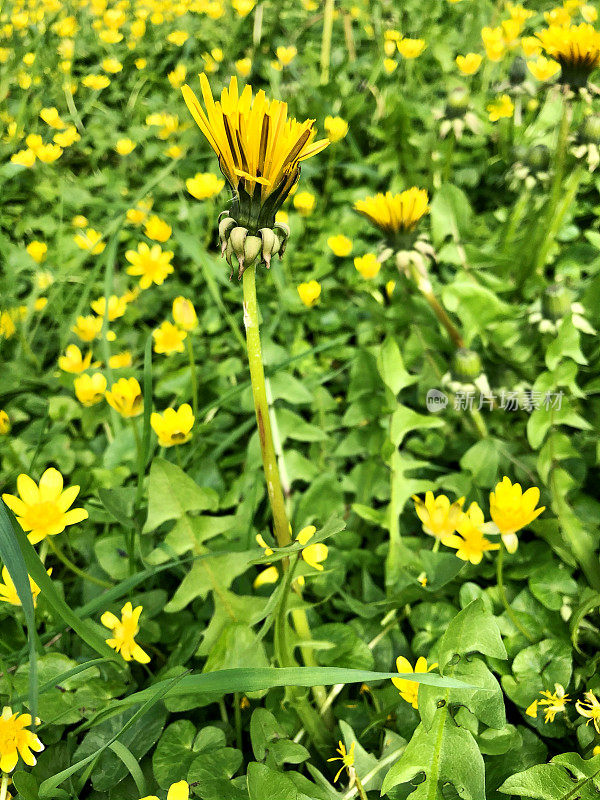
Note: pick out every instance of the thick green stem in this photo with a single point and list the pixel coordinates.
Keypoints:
(326, 41)
(283, 652)
(261, 406)
(359, 787)
(505, 603)
(392, 564)
(555, 188)
(424, 286)
(4, 786)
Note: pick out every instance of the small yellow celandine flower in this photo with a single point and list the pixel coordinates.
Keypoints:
(243, 67)
(309, 292)
(4, 423)
(590, 708)
(79, 221)
(469, 541)
(304, 203)
(555, 703)
(519, 13)
(168, 339)
(23, 158)
(140, 63)
(73, 361)
(500, 108)
(397, 213)
(340, 245)
(543, 69)
(97, 82)
(367, 265)
(52, 118)
(204, 185)
(116, 306)
(589, 13)
(16, 740)
(43, 510)
(138, 214)
(411, 48)
(152, 264)
(120, 360)
(243, 7)
(558, 16)
(177, 791)
(438, 516)
(44, 279)
(7, 325)
(112, 65)
(313, 554)
(173, 427)
(90, 240)
(266, 577)
(177, 76)
(8, 590)
(285, 55)
(67, 137)
(495, 48)
(87, 328)
(49, 153)
(469, 64)
(512, 509)
(389, 65)
(336, 128)
(157, 229)
(178, 38)
(125, 146)
(531, 46)
(90, 389)
(409, 690)
(347, 759)
(124, 631)
(126, 397)
(389, 288)
(184, 313)
(37, 250)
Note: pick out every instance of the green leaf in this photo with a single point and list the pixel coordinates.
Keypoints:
(445, 754)
(270, 742)
(216, 572)
(211, 772)
(566, 777)
(549, 583)
(404, 420)
(566, 345)
(175, 752)
(391, 367)
(172, 493)
(267, 784)
(451, 214)
(473, 630)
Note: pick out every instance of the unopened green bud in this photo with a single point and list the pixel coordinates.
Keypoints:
(466, 365)
(556, 302)
(237, 241)
(537, 158)
(518, 71)
(458, 102)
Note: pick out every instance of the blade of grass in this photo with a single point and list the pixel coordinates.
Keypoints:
(13, 560)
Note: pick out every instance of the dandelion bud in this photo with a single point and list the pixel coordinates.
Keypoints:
(537, 158)
(458, 102)
(239, 242)
(556, 302)
(466, 365)
(518, 71)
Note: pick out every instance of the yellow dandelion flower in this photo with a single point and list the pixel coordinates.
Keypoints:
(575, 47)
(173, 427)
(259, 148)
(395, 214)
(43, 510)
(124, 631)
